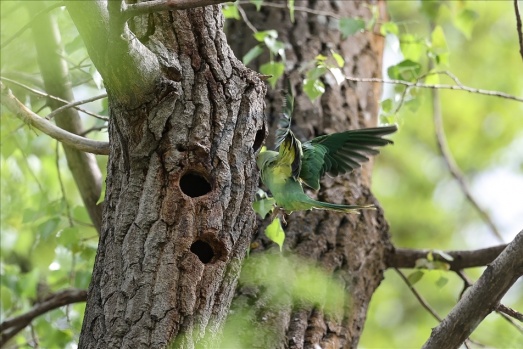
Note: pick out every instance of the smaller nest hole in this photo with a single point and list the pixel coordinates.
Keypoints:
(203, 251)
(258, 139)
(194, 185)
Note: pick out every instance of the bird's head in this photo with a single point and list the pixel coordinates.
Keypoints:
(263, 157)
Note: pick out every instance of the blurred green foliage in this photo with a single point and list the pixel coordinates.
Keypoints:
(48, 243)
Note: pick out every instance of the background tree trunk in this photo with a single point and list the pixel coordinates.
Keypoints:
(181, 179)
(350, 247)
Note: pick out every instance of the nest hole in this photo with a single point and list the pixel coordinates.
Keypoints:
(203, 251)
(194, 185)
(258, 139)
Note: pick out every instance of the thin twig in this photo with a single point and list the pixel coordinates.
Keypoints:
(74, 104)
(438, 86)
(71, 139)
(166, 5)
(10, 327)
(92, 129)
(30, 23)
(453, 168)
(510, 312)
(296, 8)
(519, 29)
(43, 94)
(62, 188)
(420, 299)
(246, 19)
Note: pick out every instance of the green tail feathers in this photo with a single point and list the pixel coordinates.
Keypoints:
(320, 205)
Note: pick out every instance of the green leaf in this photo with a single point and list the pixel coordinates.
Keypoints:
(411, 47)
(275, 69)
(275, 232)
(230, 12)
(264, 206)
(257, 3)
(316, 73)
(313, 88)
(389, 28)
(432, 79)
(338, 58)
(414, 277)
(261, 35)
(351, 26)
(252, 54)
(465, 22)
(442, 281)
(406, 70)
(290, 5)
(386, 105)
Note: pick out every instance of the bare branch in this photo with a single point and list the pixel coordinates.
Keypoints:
(10, 327)
(406, 258)
(166, 5)
(481, 299)
(518, 26)
(74, 104)
(246, 19)
(510, 312)
(453, 168)
(70, 139)
(47, 95)
(438, 86)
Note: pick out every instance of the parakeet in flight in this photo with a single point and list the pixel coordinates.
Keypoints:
(295, 163)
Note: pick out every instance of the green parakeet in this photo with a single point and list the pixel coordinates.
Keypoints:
(295, 163)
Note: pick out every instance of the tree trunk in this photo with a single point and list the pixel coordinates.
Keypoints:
(181, 178)
(350, 247)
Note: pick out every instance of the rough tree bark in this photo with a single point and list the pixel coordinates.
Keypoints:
(181, 177)
(351, 247)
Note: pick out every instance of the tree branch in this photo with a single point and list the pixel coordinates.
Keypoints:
(70, 139)
(10, 327)
(47, 95)
(74, 104)
(129, 69)
(481, 299)
(406, 258)
(166, 5)
(518, 27)
(439, 86)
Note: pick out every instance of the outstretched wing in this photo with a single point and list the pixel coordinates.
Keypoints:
(284, 125)
(340, 153)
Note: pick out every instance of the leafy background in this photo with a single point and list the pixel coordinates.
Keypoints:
(48, 244)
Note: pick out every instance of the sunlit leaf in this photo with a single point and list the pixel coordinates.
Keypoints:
(275, 232)
(338, 58)
(230, 12)
(290, 5)
(313, 88)
(389, 28)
